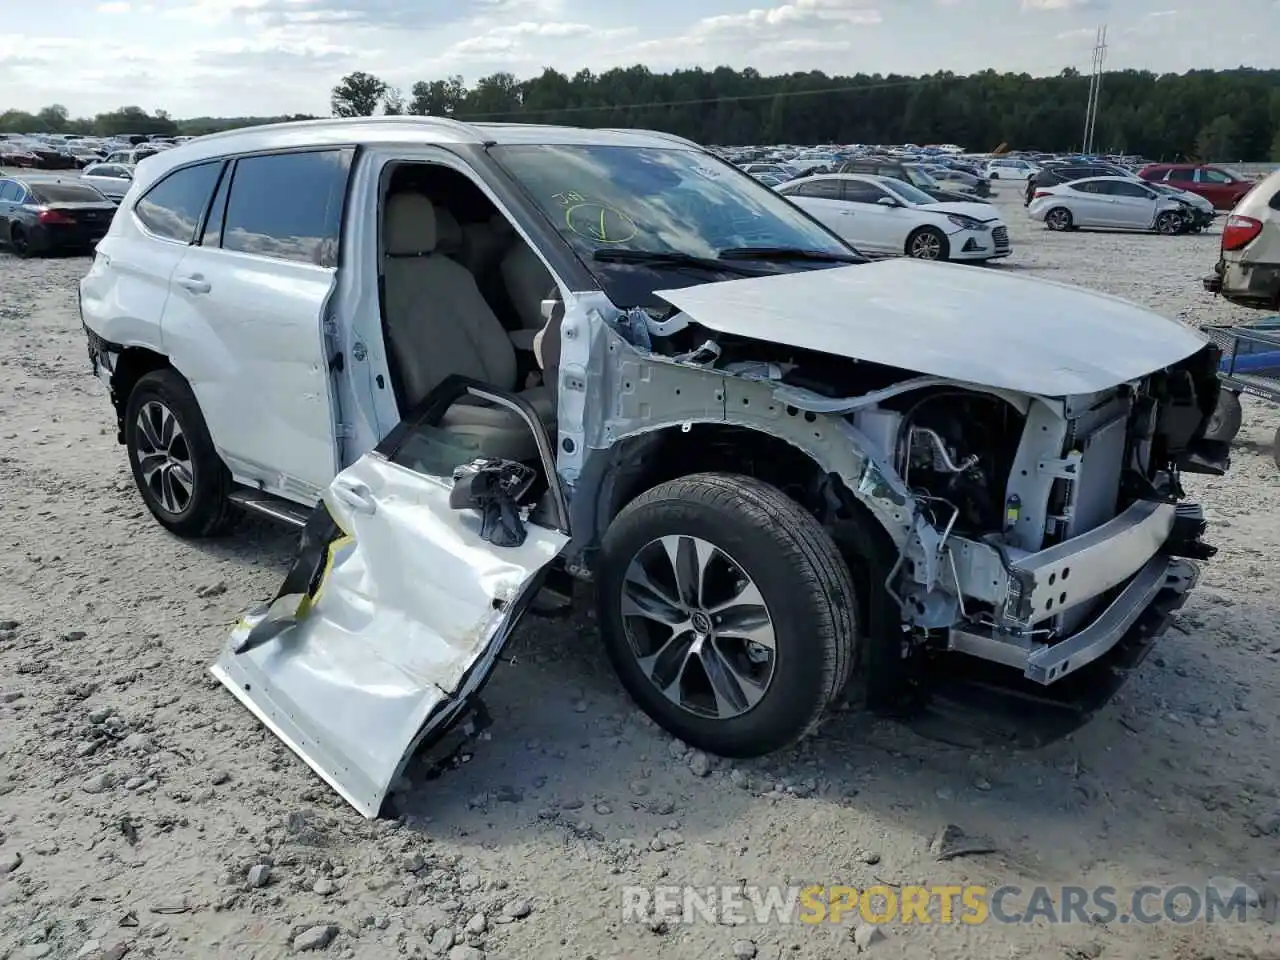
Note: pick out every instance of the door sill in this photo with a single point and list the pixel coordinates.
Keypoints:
(272, 507)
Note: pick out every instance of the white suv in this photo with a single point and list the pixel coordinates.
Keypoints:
(1011, 168)
(476, 360)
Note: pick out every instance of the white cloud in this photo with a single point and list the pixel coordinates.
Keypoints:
(114, 6)
(1058, 4)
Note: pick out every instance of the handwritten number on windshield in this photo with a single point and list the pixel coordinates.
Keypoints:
(600, 223)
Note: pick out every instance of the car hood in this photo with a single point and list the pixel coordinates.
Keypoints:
(965, 208)
(948, 320)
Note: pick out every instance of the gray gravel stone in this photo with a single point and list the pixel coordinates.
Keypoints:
(744, 949)
(466, 952)
(259, 875)
(699, 763)
(478, 924)
(98, 783)
(441, 941)
(866, 934)
(9, 862)
(324, 886)
(315, 938)
(517, 909)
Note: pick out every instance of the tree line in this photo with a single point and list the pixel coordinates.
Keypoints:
(1201, 114)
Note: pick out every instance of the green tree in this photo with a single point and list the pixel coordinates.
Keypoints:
(54, 118)
(357, 94)
(393, 102)
(437, 98)
(1275, 147)
(1217, 139)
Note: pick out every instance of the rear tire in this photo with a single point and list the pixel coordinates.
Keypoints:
(182, 480)
(735, 537)
(19, 241)
(1059, 219)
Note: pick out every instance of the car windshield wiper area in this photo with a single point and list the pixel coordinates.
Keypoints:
(788, 253)
(669, 258)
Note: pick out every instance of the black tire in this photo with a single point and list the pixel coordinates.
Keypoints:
(1059, 219)
(928, 238)
(19, 242)
(798, 571)
(1170, 223)
(1227, 416)
(206, 511)
(994, 175)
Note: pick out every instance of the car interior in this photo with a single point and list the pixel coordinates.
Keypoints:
(463, 293)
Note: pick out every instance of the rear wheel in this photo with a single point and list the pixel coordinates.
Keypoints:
(182, 480)
(727, 612)
(1059, 218)
(20, 240)
(928, 243)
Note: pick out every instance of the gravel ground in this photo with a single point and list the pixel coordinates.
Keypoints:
(142, 811)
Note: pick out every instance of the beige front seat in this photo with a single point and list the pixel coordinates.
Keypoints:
(438, 323)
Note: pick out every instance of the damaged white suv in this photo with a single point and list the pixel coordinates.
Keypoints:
(501, 357)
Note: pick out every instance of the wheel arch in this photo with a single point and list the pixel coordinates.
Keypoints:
(131, 365)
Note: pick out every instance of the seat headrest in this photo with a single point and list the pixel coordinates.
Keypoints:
(448, 231)
(410, 225)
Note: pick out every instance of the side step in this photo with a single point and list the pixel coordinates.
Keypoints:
(270, 506)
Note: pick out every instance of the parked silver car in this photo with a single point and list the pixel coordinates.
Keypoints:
(475, 361)
(1119, 203)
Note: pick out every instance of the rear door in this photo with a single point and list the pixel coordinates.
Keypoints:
(821, 196)
(398, 603)
(246, 318)
(1217, 186)
(879, 229)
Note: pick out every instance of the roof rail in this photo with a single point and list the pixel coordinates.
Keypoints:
(658, 133)
(405, 119)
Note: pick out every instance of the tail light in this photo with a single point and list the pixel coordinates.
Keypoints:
(1239, 232)
(1040, 193)
(54, 216)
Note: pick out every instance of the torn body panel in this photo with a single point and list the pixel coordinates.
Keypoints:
(390, 639)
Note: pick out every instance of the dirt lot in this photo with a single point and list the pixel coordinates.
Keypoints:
(136, 795)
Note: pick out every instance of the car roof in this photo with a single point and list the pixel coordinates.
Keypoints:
(399, 130)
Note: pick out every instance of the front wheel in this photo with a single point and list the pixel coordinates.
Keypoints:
(727, 612)
(928, 243)
(1169, 223)
(182, 480)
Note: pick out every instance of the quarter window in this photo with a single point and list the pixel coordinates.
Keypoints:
(9, 190)
(172, 208)
(1182, 175)
(288, 206)
(823, 189)
(1209, 175)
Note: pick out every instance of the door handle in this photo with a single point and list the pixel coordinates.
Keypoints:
(357, 496)
(194, 283)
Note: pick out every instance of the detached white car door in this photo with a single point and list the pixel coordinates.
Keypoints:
(246, 315)
(397, 604)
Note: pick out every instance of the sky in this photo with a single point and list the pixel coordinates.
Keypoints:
(271, 57)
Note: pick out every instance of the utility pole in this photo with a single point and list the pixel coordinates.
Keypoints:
(1095, 88)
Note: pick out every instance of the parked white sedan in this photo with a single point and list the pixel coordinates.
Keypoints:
(113, 180)
(1117, 203)
(883, 216)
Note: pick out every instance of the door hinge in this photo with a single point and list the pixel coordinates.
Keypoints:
(343, 431)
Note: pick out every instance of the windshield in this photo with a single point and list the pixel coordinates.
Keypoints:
(907, 192)
(920, 178)
(660, 200)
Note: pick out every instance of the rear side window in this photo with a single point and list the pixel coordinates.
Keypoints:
(9, 190)
(172, 208)
(66, 193)
(825, 189)
(288, 206)
(1182, 176)
(1129, 190)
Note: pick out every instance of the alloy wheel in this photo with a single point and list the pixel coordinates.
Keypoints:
(164, 459)
(1058, 219)
(926, 246)
(698, 627)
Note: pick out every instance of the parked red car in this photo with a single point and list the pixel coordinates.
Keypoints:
(1220, 187)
